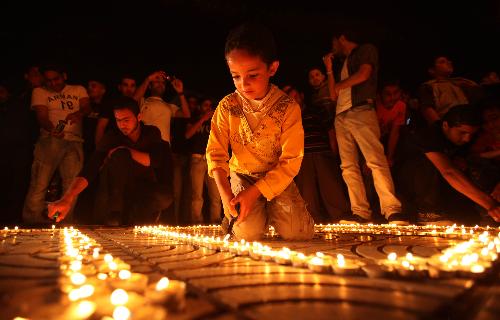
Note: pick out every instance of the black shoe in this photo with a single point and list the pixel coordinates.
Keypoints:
(398, 218)
(355, 219)
(432, 218)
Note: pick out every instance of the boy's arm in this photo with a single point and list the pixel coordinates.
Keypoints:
(63, 205)
(459, 181)
(392, 143)
(224, 188)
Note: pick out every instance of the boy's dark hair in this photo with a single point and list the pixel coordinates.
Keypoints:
(52, 67)
(254, 38)
(123, 102)
(126, 76)
(389, 82)
(463, 114)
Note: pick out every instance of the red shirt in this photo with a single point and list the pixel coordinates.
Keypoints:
(387, 118)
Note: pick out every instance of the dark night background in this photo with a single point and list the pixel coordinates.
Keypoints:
(186, 38)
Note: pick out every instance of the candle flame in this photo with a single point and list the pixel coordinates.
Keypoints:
(121, 313)
(119, 297)
(162, 284)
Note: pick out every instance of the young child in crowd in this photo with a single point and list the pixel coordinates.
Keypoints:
(263, 128)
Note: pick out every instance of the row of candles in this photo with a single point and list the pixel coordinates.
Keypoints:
(97, 285)
(451, 232)
(471, 258)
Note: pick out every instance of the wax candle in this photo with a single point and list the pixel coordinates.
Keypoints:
(168, 292)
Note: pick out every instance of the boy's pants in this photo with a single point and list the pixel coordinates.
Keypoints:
(287, 213)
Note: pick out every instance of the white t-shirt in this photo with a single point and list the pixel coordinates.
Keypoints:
(344, 100)
(158, 113)
(59, 105)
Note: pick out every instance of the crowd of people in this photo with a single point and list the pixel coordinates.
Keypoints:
(349, 148)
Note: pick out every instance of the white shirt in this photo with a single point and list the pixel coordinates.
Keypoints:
(158, 113)
(344, 100)
(59, 105)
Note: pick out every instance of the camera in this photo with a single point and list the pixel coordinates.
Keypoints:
(60, 126)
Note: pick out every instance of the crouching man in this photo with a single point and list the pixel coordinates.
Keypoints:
(135, 172)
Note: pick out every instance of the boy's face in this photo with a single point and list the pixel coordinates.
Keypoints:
(96, 89)
(459, 135)
(126, 121)
(206, 106)
(390, 95)
(127, 87)
(443, 67)
(316, 78)
(54, 80)
(250, 73)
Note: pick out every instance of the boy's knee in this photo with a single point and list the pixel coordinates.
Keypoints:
(248, 232)
(306, 232)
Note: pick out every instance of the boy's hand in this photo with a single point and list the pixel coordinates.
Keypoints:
(61, 206)
(178, 85)
(157, 76)
(226, 201)
(246, 199)
(328, 61)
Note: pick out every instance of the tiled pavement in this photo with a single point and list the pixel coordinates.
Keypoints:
(224, 286)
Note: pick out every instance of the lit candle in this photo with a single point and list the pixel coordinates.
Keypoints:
(346, 267)
(320, 263)
(168, 292)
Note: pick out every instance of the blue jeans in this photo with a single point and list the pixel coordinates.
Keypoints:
(50, 154)
(199, 176)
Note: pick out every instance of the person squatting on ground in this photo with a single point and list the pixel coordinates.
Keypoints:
(263, 128)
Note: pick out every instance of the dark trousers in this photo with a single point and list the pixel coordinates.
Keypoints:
(321, 185)
(130, 192)
(422, 188)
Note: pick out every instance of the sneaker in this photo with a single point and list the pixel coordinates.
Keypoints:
(398, 218)
(355, 219)
(432, 218)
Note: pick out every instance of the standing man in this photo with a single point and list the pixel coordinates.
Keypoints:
(59, 109)
(155, 111)
(357, 126)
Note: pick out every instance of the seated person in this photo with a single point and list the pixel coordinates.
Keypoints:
(429, 181)
(135, 168)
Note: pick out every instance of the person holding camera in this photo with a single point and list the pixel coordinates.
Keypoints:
(155, 111)
(59, 110)
(198, 132)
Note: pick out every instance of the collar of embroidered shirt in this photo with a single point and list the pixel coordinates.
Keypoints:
(251, 106)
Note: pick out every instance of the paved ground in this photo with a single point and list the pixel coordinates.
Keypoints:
(222, 285)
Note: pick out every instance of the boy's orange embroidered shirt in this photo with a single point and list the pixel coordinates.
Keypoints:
(273, 152)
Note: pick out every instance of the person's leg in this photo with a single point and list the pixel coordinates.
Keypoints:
(307, 183)
(214, 197)
(289, 216)
(70, 166)
(116, 172)
(366, 132)
(350, 165)
(177, 161)
(252, 228)
(47, 155)
(197, 173)
(331, 186)
(148, 200)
